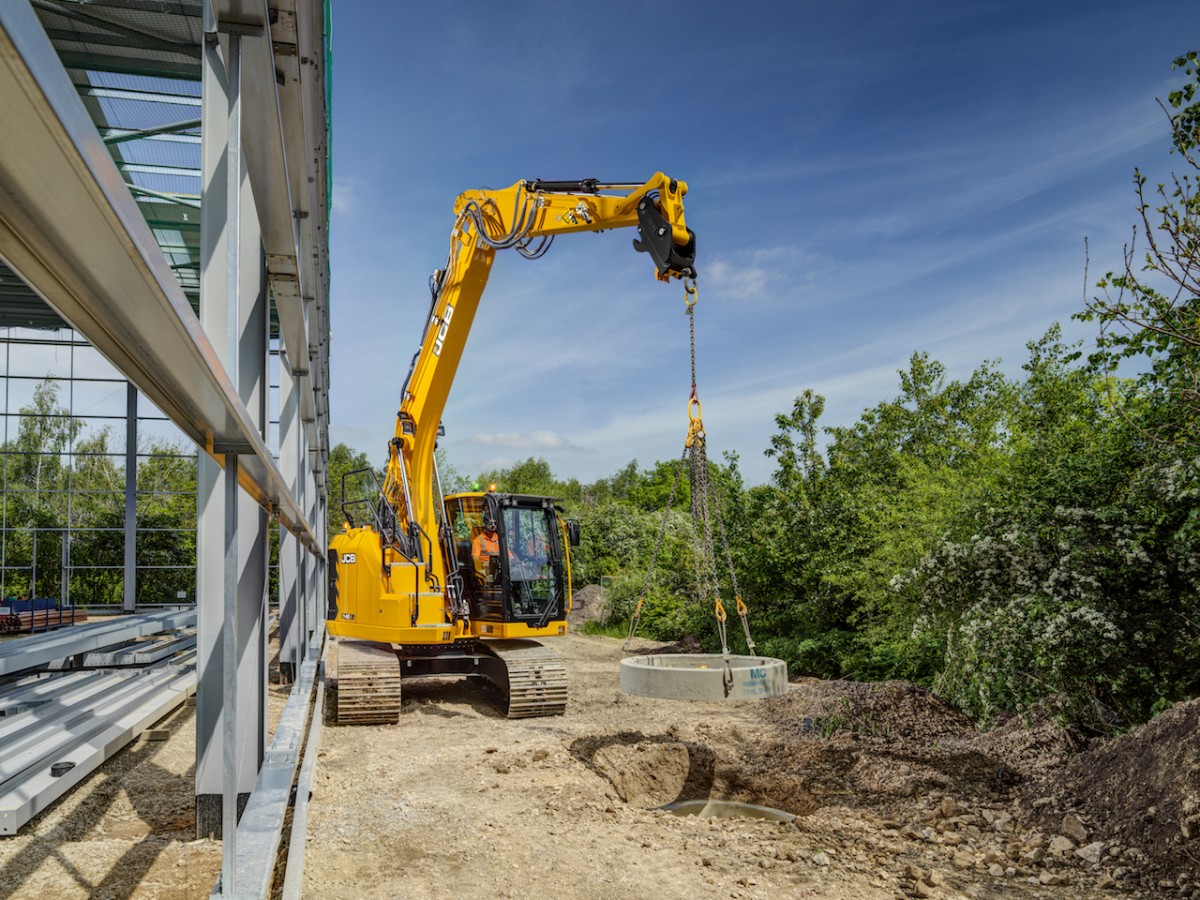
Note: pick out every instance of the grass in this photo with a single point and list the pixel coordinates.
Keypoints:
(611, 629)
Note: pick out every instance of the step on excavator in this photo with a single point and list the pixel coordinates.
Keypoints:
(426, 584)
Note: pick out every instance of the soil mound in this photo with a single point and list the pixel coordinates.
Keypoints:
(888, 743)
(890, 710)
(586, 605)
(1032, 745)
(1123, 812)
(1139, 792)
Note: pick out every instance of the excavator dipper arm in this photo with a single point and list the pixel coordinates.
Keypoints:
(525, 217)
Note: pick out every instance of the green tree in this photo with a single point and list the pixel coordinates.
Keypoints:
(36, 500)
(530, 476)
(1149, 309)
(832, 531)
(346, 489)
(1070, 574)
(166, 519)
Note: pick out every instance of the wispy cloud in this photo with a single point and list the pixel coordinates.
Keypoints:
(756, 275)
(347, 193)
(529, 441)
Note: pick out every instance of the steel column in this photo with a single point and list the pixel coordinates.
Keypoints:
(130, 598)
(229, 698)
(291, 619)
(233, 312)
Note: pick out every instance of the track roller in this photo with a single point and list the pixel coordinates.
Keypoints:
(368, 684)
(531, 677)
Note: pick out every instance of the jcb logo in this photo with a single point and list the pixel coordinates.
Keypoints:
(349, 559)
(441, 335)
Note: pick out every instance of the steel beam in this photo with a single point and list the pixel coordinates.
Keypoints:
(39, 649)
(35, 788)
(258, 833)
(293, 877)
(139, 652)
(47, 703)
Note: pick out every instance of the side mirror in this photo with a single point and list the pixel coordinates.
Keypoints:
(573, 532)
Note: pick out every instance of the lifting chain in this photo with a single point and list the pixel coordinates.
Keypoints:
(695, 424)
(705, 507)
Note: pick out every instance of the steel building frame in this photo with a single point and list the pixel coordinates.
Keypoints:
(130, 456)
(71, 227)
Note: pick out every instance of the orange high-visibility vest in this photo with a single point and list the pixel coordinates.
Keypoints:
(486, 547)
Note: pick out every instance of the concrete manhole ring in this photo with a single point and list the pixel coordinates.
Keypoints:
(703, 676)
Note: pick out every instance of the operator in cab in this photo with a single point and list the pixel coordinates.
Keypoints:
(536, 549)
(484, 549)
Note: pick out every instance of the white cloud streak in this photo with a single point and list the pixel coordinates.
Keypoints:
(529, 441)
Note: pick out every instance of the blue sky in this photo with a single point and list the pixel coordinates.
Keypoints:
(867, 180)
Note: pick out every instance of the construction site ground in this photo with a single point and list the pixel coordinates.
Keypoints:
(895, 795)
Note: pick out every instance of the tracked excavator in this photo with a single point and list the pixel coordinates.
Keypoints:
(422, 583)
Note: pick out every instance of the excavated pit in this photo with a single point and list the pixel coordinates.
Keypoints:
(666, 771)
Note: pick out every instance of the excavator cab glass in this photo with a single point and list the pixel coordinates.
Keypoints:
(530, 573)
(514, 572)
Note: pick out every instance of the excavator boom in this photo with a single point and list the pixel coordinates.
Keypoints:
(525, 217)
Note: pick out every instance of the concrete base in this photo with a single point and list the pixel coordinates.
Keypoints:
(208, 814)
(703, 676)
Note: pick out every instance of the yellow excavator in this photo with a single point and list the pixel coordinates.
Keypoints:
(424, 584)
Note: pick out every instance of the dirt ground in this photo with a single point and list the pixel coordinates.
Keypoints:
(895, 796)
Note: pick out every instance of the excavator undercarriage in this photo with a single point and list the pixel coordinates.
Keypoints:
(530, 677)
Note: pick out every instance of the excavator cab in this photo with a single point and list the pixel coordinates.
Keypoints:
(510, 553)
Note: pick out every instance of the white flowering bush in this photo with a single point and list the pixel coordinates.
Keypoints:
(1011, 655)
(1095, 605)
